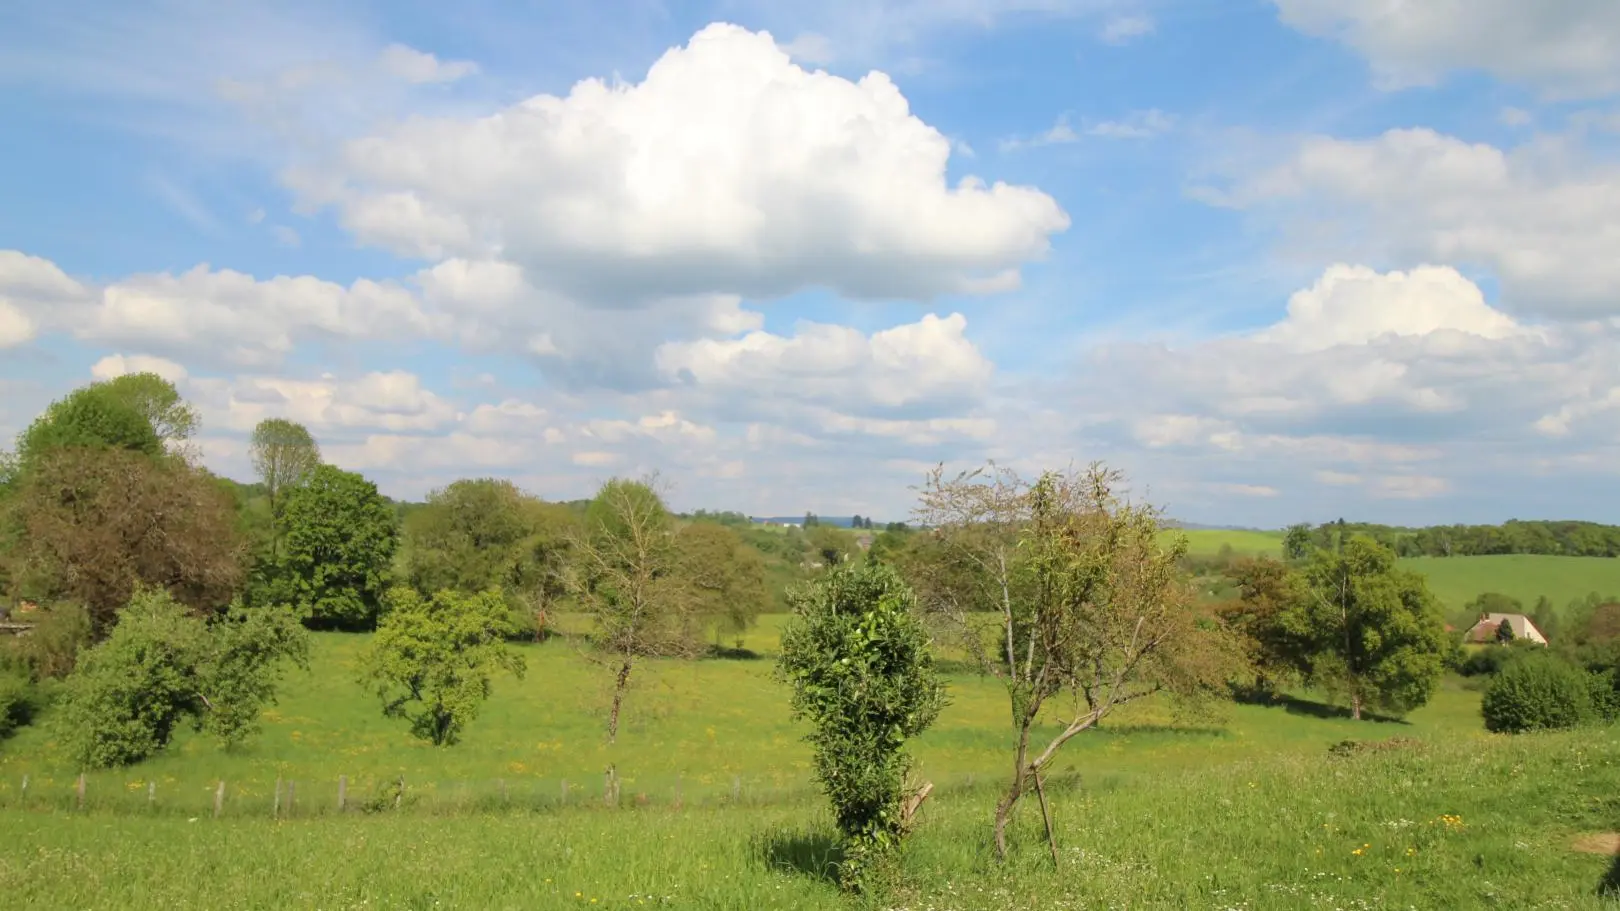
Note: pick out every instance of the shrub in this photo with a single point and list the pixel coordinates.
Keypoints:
(127, 694)
(858, 659)
(18, 701)
(1537, 692)
(52, 646)
(161, 665)
(1490, 659)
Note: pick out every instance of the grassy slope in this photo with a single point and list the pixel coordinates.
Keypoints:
(1457, 580)
(1248, 811)
(1290, 831)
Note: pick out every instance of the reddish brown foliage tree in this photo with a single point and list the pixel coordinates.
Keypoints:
(92, 524)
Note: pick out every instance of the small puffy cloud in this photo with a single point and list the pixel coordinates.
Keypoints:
(1515, 117)
(919, 366)
(1545, 221)
(1564, 47)
(727, 170)
(116, 365)
(419, 67)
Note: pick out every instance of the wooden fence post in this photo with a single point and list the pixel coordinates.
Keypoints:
(343, 792)
(23, 798)
(80, 789)
(565, 792)
(399, 795)
(219, 799)
(151, 793)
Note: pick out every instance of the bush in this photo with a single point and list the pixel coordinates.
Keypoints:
(1490, 659)
(1537, 692)
(52, 646)
(858, 660)
(161, 665)
(18, 701)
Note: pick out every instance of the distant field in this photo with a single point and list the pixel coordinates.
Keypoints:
(1458, 580)
(1208, 542)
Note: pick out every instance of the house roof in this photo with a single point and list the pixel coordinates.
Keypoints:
(1522, 628)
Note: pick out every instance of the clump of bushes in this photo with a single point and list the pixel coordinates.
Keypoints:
(161, 665)
(1545, 691)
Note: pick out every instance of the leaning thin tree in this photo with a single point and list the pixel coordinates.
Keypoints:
(628, 579)
(1061, 587)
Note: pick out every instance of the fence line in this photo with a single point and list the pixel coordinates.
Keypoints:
(116, 793)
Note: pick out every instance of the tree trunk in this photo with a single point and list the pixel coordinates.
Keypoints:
(620, 683)
(1046, 814)
(1009, 801)
(1355, 706)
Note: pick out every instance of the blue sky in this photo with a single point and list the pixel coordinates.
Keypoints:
(1277, 260)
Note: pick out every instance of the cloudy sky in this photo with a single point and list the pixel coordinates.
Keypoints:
(1278, 260)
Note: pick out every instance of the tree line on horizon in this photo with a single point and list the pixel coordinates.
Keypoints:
(1515, 536)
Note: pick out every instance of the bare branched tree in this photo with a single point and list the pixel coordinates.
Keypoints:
(628, 578)
(1060, 587)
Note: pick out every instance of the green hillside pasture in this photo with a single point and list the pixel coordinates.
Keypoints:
(1481, 823)
(1458, 580)
(1208, 542)
(708, 730)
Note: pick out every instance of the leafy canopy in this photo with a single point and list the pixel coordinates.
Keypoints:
(433, 658)
(857, 657)
(1367, 631)
(339, 545)
(163, 664)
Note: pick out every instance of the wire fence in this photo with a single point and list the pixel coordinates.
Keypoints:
(303, 798)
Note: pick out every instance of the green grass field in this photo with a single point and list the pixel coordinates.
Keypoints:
(1247, 809)
(1208, 542)
(1458, 580)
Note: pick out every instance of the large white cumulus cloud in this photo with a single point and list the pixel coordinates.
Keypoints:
(728, 169)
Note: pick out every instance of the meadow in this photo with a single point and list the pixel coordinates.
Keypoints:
(1244, 808)
(1457, 580)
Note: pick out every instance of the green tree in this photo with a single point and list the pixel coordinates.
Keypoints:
(727, 576)
(1368, 631)
(484, 533)
(1545, 617)
(340, 541)
(163, 664)
(284, 456)
(91, 417)
(1088, 600)
(629, 581)
(857, 657)
(155, 398)
(1504, 632)
(1297, 542)
(830, 546)
(433, 659)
